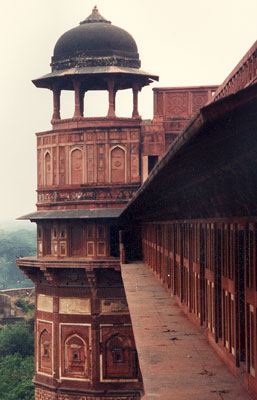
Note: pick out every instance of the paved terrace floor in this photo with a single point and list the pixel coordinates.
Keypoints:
(176, 360)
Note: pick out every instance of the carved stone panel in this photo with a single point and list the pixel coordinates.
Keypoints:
(75, 351)
(199, 99)
(90, 163)
(54, 165)
(45, 347)
(47, 169)
(76, 166)
(114, 306)
(118, 354)
(176, 104)
(62, 165)
(134, 167)
(118, 165)
(159, 110)
(40, 167)
(101, 164)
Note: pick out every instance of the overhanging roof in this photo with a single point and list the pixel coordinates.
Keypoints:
(73, 214)
(46, 80)
(209, 170)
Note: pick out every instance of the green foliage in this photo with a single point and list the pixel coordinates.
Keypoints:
(24, 305)
(20, 302)
(17, 361)
(13, 244)
(16, 377)
(17, 339)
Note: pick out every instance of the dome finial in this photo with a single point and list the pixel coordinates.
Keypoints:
(95, 17)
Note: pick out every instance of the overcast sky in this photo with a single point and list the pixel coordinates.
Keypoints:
(186, 42)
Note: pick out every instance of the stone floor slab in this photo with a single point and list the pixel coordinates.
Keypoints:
(176, 360)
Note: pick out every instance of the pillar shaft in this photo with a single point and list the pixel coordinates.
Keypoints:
(81, 102)
(56, 103)
(135, 102)
(112, 94)
(78, 106)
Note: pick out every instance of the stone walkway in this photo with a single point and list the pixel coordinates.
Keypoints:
(176, 360)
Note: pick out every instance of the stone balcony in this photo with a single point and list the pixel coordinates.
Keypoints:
(48, 266)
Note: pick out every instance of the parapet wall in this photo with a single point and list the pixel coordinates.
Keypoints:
(18, 292)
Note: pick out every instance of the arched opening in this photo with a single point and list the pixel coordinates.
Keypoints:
(124, 103)
(118, 165)
(76, 167)
(96, 103)
(67, 104)
(47, 170)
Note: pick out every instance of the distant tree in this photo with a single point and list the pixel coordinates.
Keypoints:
(16, 376)
(21, 243)
(25, 305)
(17, 339)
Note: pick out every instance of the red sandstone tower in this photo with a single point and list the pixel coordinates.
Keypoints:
(88, 169)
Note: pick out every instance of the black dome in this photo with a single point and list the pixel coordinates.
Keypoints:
(95, 42)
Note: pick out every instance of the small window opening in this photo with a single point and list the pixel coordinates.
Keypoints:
(152, 161)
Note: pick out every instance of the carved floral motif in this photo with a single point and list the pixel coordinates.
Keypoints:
(176, 104)
(80, 195)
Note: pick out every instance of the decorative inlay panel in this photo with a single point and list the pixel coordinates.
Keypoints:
(74, 306)
(114, 306)
(44, 303)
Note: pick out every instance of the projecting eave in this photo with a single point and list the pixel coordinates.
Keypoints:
(73, 214)
(189, 183)
(61, 76)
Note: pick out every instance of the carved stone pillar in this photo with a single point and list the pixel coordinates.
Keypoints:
(81, 102)
(78, 106)
(135, 101)
(56, 103)
(112, 95)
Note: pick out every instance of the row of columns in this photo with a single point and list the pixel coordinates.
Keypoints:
(79, 100)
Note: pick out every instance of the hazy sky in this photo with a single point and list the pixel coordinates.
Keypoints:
(186, 42)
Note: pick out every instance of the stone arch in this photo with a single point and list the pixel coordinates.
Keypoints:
(47, 169)
(117, 344)
(76, 360)
(45, 350)
(117, 162)
(76, 166)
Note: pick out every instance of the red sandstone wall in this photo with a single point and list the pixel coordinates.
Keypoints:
(79, 166)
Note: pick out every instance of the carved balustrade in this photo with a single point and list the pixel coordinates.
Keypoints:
(243, 75)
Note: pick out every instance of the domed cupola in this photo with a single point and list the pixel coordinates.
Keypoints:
(95, 43)
(95, 55)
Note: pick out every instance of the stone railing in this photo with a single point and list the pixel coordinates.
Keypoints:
(243, 75)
